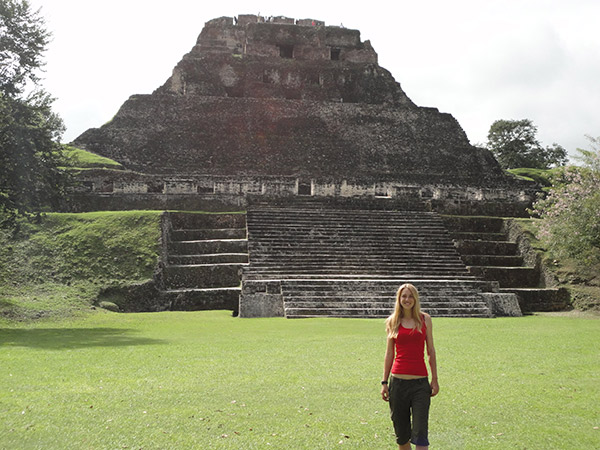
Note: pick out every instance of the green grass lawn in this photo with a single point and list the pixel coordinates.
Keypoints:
(210, 381)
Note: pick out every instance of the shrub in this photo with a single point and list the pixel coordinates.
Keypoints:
(570, 213)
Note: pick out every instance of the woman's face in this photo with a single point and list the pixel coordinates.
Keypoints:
(407, 300)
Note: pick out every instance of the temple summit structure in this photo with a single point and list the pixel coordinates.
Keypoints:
(283, 107)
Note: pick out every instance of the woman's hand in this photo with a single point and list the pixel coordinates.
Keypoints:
(385, 392)
(435, 387)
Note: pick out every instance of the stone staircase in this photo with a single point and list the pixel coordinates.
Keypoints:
(489, 253)
(317, 260)
(202, 258)
(376, 297)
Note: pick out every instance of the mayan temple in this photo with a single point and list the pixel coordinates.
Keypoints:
(296, 123)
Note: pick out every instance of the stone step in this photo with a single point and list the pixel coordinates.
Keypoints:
(331, 304)
(352, 283)
(374, 303)
(256, 277)
(332, 273)
(208, 246)
(493, 260)
(487, 248)
(363, 271)
(425, 285)
(215, 258)
(316, 258)
(194, 221)
(420, 257)
(326, 213)
(208, 234)
(345, 247)
(482, 312)
(364, 241)
(388, 297)
(466, 315)
(354, 260)
(473, 224)
(378, 296)
(346, 215)
(202, 299)
(507, 277)
(253, 210)
(202, 276)
(367, 268)
(541, 299)
(448, 294)
(339, 223)
(367, 234)
(478, 236)
(349, 227)
(354, 263)
(354, 248)
(345, 224)
(338, 312)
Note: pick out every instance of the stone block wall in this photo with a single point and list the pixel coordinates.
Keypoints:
(108, 189)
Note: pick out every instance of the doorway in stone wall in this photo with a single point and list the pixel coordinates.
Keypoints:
(304, 188)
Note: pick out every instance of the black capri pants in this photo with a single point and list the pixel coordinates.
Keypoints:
(410, 397)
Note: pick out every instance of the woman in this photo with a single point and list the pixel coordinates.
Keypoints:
(409, 392)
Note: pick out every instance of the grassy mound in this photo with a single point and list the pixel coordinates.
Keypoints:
(82, 159)
(57, 267)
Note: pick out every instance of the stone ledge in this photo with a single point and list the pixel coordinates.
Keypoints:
(502, 304)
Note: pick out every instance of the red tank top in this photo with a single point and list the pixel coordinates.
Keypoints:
(410, 352)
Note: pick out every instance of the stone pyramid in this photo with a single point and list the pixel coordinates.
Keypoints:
(282, 97)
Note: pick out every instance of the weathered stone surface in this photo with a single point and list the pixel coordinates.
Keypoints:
(502, 304)
(261, 305)
(135, 297)
(278, 97)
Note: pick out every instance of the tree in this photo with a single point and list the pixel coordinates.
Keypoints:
(514, 144)
(30, 153)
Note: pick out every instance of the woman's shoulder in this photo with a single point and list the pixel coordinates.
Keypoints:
(426, 317)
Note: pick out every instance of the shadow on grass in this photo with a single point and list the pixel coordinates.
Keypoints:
(72, 338)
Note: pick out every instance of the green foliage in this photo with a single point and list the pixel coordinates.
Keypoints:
(23, 40)
(570, 213)
(64, 260)
(541, 176)
(514, 144)
(30, 156)
(209, 381)
(82, 159)
(589, 158)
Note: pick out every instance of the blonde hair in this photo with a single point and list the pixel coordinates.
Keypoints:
(392, 323)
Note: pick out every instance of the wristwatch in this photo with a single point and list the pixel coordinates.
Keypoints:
(384, 382)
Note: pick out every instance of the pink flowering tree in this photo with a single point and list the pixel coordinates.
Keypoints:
(570, 212)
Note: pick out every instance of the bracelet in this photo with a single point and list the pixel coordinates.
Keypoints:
(384, 382)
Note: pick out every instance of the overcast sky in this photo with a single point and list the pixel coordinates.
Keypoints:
(479, 60)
